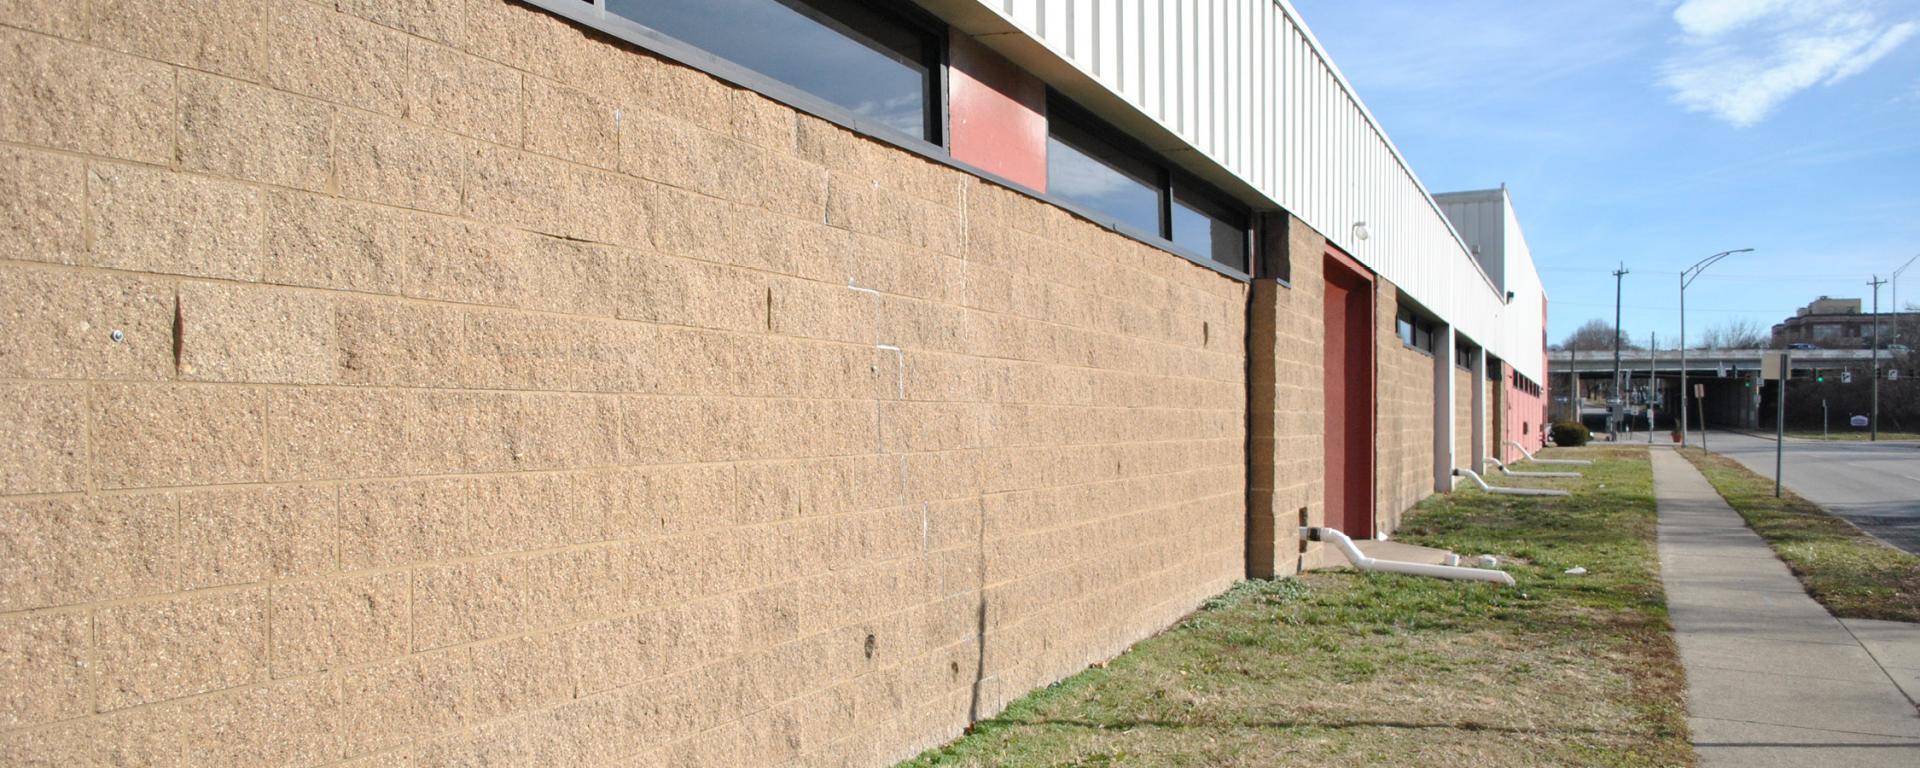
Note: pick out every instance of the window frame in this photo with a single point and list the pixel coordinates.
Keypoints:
(1064, 110)
(592, 15)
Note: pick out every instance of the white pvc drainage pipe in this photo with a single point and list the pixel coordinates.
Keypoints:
(1561, 462)
(1362, 562)
(1469, 474)
(1505, 470)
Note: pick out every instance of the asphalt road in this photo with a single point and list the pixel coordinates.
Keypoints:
(1875, 485)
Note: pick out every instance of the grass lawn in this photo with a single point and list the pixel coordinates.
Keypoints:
(1339, 667)
(1852, 574)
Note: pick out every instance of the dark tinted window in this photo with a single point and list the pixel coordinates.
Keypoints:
(1403, 325)
(1091, 172)
(1206, 226)
(843, 51)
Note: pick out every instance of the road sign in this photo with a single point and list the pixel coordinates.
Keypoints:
(1893, 374)
(1859, 422)
(1699, 391)
(1772, 364)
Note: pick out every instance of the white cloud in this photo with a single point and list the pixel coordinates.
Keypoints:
(1740, 59)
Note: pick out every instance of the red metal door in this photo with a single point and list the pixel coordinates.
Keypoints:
(1348, 388)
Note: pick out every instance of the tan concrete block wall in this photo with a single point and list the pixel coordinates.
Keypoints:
(1404, 413)
(1462, 417)
(435, 383)
(1287, 443)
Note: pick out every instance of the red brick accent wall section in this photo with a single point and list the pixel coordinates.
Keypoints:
(1405, 387)
(439, 384)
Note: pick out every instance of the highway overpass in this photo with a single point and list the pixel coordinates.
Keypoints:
(1731, 377)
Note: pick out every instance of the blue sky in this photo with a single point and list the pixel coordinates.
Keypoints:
(1657, 133)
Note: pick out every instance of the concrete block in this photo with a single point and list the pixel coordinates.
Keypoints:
(320, 434)
(330, 56)
(293, 722)
(514, 350)
(674, 291)
(442, 21)
(324, 242)
(149, 652)
(228, 128)
(70, 550)
(148, 736)
(555, 197)
(154, 221)
(824, 311)
(572, 124)
(243, 535)
(389, 161)
(390, 702)
(60, 324)
(661, 501)
(387, 523)
(453, 91)
(66, 20)
(522, 37)
(68, 96)
(159, 435)
(761, 121)
(44, 445)
(255, 334)
(398, 344)
(673, 152)
(532, 431)
(43, 668)
(223, 36)
(42, 205)
(346, 620)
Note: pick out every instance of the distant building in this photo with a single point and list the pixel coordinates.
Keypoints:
(1831, 323)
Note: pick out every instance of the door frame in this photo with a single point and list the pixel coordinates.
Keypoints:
(1358, 438)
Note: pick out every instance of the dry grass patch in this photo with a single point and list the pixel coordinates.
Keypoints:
(1342, 667)
(1851, 573)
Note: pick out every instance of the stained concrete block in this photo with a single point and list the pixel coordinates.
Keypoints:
(150, 652)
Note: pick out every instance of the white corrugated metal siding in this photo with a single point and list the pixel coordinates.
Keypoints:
(1245, 84)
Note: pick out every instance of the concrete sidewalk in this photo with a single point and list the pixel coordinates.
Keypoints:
(1772, 678)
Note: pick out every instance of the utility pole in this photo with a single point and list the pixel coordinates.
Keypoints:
(1876, 282)
(1616, 408)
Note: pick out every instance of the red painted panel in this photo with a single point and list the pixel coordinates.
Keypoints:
(1347, 384)
(997, 115)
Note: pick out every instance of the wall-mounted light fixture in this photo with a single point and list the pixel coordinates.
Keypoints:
(1360, 230)
(1509, 297)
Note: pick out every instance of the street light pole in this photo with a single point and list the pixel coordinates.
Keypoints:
(1897, 335)
(1686, 278)
(1616, 406)
(1876, 282)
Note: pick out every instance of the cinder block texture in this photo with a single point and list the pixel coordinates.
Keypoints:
(1287, 408)
(1404, 413)
(437, 383)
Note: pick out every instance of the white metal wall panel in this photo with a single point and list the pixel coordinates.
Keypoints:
(1245, 84)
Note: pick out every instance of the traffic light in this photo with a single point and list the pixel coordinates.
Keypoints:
(1819, 376)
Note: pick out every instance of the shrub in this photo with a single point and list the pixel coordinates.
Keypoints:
(1571, 434)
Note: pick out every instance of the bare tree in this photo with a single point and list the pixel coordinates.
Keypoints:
(1735, 333)
(1595, 335)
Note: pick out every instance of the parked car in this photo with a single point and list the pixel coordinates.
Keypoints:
(1901, 348)
(1802, 345)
